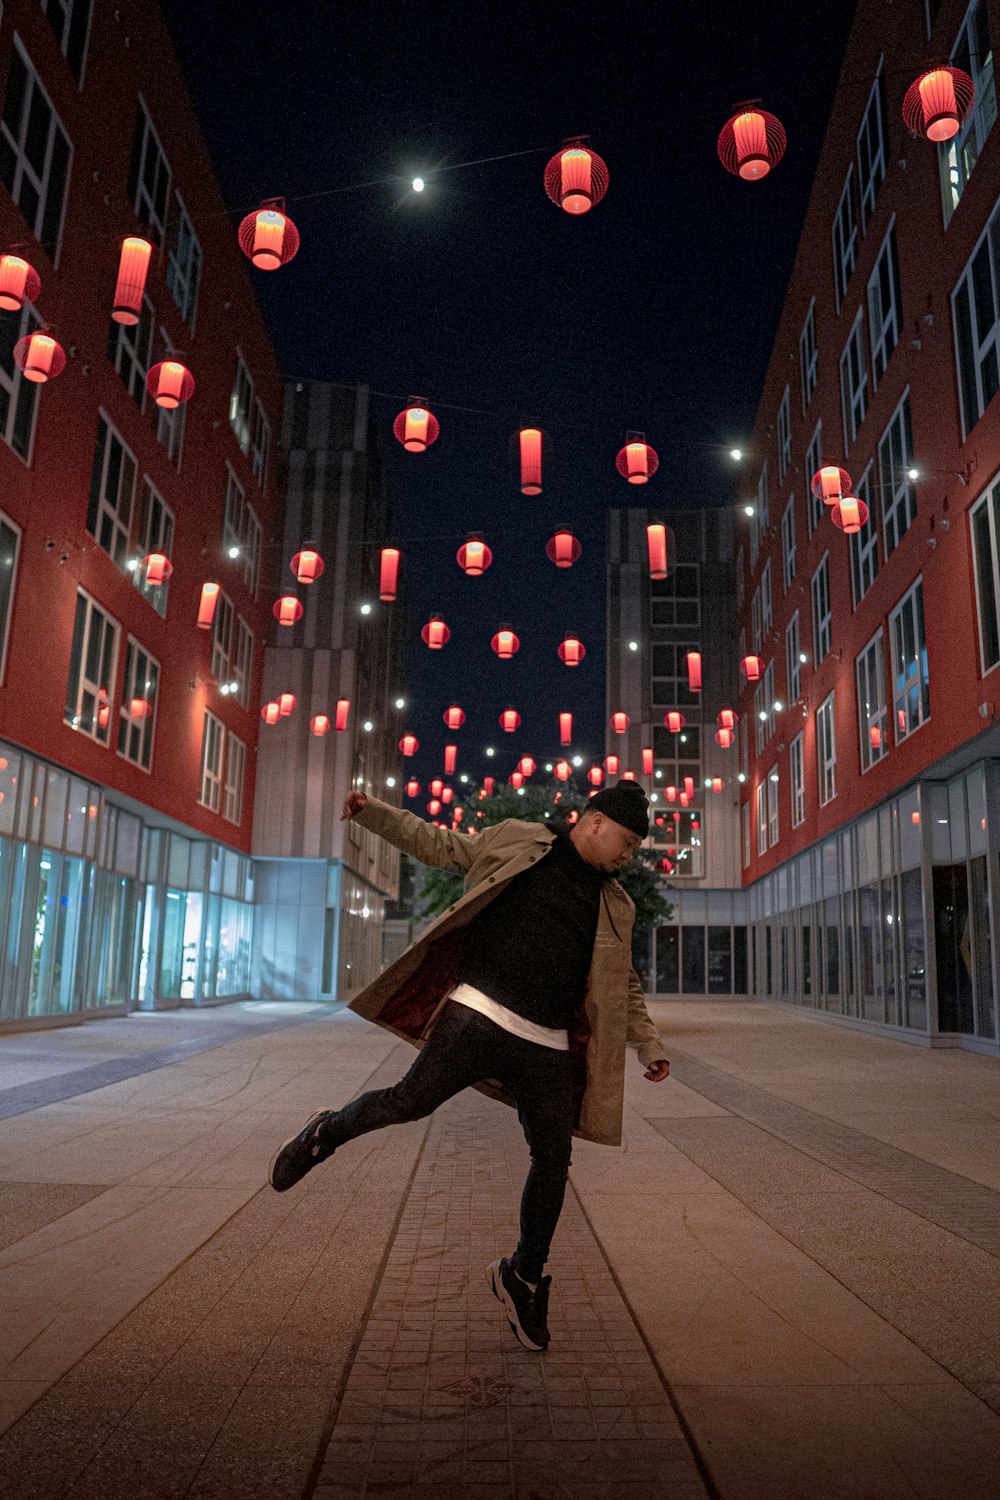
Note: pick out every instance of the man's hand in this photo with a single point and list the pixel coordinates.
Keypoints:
(657, 1071)
(354, 803)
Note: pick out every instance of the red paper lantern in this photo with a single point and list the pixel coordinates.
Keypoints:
(620, 722)
(674, 720)
(459, 815)
(689, 785)
(684, 799)
(526, 765)
(435, 633)
(562, 548)
(434, 806)
(875, 737)
(656, 542)
(565, 729)
(612, 764)
(40, 356)
(515, 778)
(436, 787)
(412, 788)
(725, 738)
(158, 568)
(206, 606)
(447, 794)
(510, 720)
(530, 441)
(628, 776)
(139, 708)
(133, 267)
(320, 724)
(287, 703)
(751, 142)
(409, 744)
(488, 783)
(647, 760)
(937, 105)
(716, 784)
(563, 770)
(726, 718)
(671, 793)
(268, 237)
(103, 711)
(170, 383)
(388, 574)
(343, 709)
(450, 751)
(287, 610)
(505, 643)
(19, 283)
(454, 717)
(850, 515)
(307, 565)
(694, 671)
(576, 177)
(750, 667)
(830, 483)
(474, 557)
(637, 461)
(270, 713)
(572, 651)
(416, 427)
(595, 775)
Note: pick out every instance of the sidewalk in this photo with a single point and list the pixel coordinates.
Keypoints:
(783, 1285)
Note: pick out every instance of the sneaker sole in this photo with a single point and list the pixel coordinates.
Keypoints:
(496, 1286)
(274, 1159)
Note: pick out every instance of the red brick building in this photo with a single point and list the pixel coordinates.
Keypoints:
(870, 808)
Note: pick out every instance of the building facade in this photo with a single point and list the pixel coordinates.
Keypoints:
(869, 817)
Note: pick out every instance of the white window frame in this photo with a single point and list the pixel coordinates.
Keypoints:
(763, 502)
(213, 744)
(788, 544)
(873, 713)
(140, 679)
(773, 791)
(885, 312)
(109, 524)
(796, 768)
(63, 13)
(130, 350)
(826, 750)
(11, 525)
(899, 497)
(769, 697)
(911, 690)
(242, 663)
(845, 240)
(784, 434)
(808, 357)
(864, 543)
(223, 623)
(854, 381)
(745, 813)
(156, 534)
(185, 261)
(241, 401)
(760, 808)
(143, 201)
(88, 690)
(822, 614)
(261, 444)
(759, 719)
(874, 140)
(957, 158)
(814, 458)
(17, 389)
(236, 759)
(744, 746)
(987, 573)
(755, 621)
(766, 601)
(23, 169)
(793, 665)
(977, 350)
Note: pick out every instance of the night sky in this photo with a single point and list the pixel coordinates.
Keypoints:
(656, 311)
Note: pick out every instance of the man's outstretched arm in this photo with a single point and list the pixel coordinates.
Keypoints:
(431, 846)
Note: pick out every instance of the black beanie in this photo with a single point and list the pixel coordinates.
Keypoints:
(626, 804)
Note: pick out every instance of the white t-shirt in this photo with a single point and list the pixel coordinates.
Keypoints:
(545, 1036)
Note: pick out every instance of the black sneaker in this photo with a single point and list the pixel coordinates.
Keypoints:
(300, 1153)
(526, 1310)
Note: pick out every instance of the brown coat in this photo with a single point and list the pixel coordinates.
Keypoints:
(407, 997)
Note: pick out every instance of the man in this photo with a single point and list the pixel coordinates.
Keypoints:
(524, 989)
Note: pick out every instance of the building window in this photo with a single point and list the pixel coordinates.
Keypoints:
(814, 458)
(754, 537)
(261, 444)
(212, 744)
(243, 663)
(746, 835)
(853, 382)
(773, 788)
(895, 458)
(149, 177)
(845, 239)
(93, 661)
(759, 718)
(808, 356)
(755, 621)
(222, 639)
(769, 696)
(241, 405)
(974, 54)
(864, 543)
(744, 746)
(822, 618)
(184, 264)
(760, 795)
(141, 680)
(766, 608)
(10, 545)
(70, 20)
(670, 687)
(34, 152)
(784, 434)
(763, 504)
(793, 662)
(169, 425)
(112, 493)
(984, 519)
(885, 311)
(156, 534)
(826, 751)
(911, 693)
(976, 314)
(788, 544)
(795, 763)
(872, 712)
(18, 397)
(236, 758)
(675, 600)
(871, 150)
(130, 350)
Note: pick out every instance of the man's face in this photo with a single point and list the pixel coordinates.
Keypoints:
(612, 846)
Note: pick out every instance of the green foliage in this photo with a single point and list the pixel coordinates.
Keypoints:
(439, 889)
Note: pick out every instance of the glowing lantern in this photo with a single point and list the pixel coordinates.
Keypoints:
(158, 568)
(595, 775)
(565, 729)
(270, 713)
(460, 814)
(689, 785)
(454, 717)
(505, 643)
(562, 548)
(343, 709)
(684, 799)
(307, 565)
(612, 764)
(830, 484)
(474, 557)
(694, 671)
(647, 760)
(671, 794)
(388, 574)
(526, 765)
(725, 738)
(875, 737)
(488, 784)
(436, 787)
(268, 237)
(435, 633)
(750, 667)
(620, 722)
(576, 178)
(937, 105)
(914, 817)
(434, 806)
(901, 720)
(413, 788)
(286, 703)
(674, 720)
(529, 442)
(563, 770)
(416, 427)
(516, 778)
(319, 724)
(751, 142)
(133, 266)
(206, 606)
(450, 751)
(850, 515)
(628, 776)
(103, 710)
(510, 720)
(447, 794)
(409, 744)
(656, 541)
(637, 461)
(287, 610)
(726, 718)
(572, 651)
(40, 357)
(716, 784)
(19, 283)
(170, 383)
(140, 709)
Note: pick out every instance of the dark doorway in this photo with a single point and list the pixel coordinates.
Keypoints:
(953, 939)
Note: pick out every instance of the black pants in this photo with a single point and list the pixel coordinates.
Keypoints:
(464, 1048)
